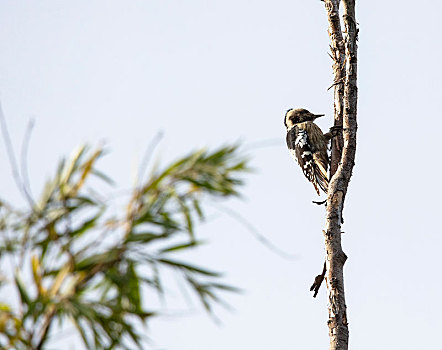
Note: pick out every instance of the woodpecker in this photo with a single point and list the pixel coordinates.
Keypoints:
(308, 146)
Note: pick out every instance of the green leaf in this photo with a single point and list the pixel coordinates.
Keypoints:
(133, 286)
(105, 258)
(145, 237)
(198, 209)
(22, 290)
(134, 249)
(191, 268)
(87, 225)
(82, 331)
(103, 177)
(68, 170)
(176, 247)
(47, 194)
(226, 287)
(163, 220)
(187, 216)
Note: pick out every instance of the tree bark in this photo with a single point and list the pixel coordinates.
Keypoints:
(344, 52)
(337, 54)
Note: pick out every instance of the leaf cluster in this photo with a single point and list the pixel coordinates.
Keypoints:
(74, 260)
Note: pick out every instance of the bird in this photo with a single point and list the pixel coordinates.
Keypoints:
(308, 146)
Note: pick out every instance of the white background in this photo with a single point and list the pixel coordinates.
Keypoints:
(211, 72)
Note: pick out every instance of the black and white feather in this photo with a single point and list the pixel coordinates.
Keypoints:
(308, 146)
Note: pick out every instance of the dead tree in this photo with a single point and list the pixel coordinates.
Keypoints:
(343, 45)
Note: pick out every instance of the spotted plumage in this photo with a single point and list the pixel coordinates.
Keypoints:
(308, 146)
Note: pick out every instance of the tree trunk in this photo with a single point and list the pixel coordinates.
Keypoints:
(343, 156)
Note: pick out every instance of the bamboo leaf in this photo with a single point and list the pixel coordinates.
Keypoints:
(82, 332)
(177, 247)
(101, 259)
(59, 279)
(97, 281)
(145, 237)
(134, 286)
(187, 216)
(226, 287)
(36, 273)
(68, 170)
(22, 290)
(198, 209)
(103, 176)
(87, 168)
(87, 225)
(188, 267)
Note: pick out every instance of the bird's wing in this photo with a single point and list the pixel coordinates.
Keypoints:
(299, 147)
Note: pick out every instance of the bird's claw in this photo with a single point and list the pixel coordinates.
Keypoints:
(334, 130)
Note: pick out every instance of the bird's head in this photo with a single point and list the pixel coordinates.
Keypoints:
(299, 115)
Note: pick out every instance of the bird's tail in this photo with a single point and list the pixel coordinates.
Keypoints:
(321, 178)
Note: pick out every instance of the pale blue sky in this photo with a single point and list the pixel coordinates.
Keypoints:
(209, 72)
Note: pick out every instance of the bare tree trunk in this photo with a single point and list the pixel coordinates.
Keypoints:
(343, 156)
(337, 54)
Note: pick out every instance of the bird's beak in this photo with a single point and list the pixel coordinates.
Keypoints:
(318, 115)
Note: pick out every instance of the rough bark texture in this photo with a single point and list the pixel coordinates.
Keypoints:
(337, 54)
(345, 108)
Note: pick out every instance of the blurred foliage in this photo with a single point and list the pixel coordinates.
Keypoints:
(73, 259)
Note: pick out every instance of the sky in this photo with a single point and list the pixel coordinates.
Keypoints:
(206, 73)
